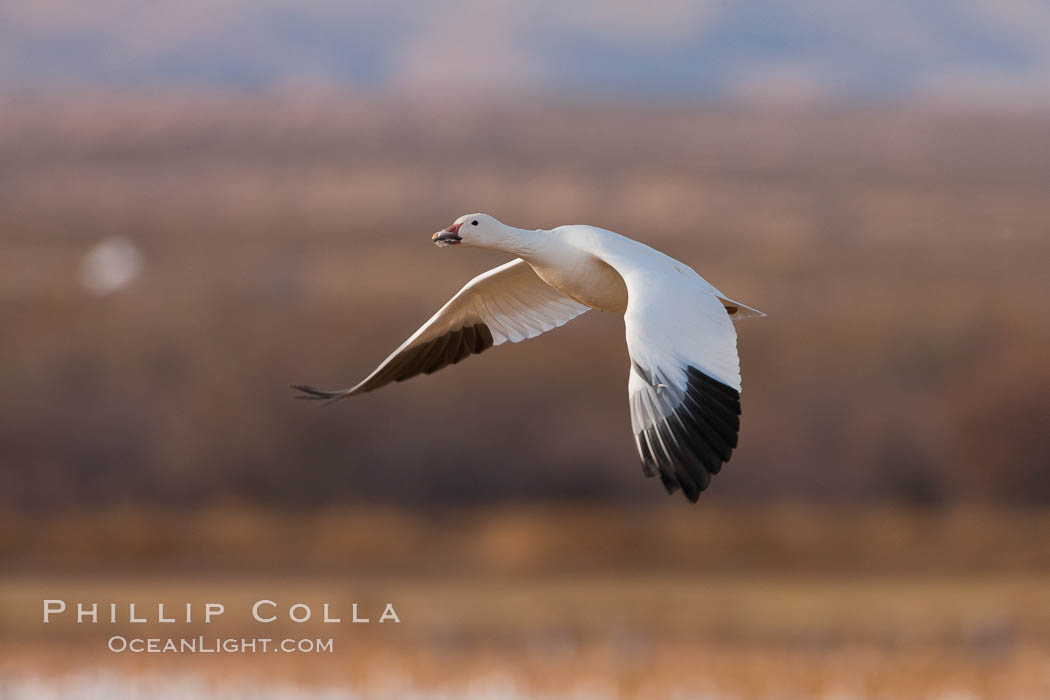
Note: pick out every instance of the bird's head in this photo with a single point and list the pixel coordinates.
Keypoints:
(475, 230)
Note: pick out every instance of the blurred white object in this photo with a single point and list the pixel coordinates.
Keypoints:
(109, 265)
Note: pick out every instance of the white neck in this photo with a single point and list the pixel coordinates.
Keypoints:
(524, 243)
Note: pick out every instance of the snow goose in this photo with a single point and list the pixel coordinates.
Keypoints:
(684, 380)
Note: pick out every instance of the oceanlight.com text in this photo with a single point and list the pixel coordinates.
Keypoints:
(218, 645)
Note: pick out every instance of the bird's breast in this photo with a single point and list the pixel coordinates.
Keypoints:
(589, 280)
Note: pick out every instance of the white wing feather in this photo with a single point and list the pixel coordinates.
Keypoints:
(507, 303)
(684, 380)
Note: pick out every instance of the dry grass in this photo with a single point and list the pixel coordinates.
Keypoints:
(508, 541)
(522, 603)
(734, 637)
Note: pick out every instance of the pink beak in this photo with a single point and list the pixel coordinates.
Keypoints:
(448, 236)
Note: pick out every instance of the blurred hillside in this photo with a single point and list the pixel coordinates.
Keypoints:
(993, 51)
(901, 254)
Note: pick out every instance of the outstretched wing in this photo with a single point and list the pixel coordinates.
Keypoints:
(509, 302)
(684, 381)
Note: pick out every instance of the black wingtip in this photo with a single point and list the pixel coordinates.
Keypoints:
(310, 393)
(690, 445)
(693, 496)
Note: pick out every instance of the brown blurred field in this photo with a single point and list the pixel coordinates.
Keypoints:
(879, 532)
(901, 255)
(552, 602)
(535, 541)
(645, 636)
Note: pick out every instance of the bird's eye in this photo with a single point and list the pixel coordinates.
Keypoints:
(474, 222)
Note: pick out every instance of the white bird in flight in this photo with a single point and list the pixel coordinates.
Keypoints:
(684, 381)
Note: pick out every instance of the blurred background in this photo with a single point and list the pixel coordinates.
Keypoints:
(202, 203)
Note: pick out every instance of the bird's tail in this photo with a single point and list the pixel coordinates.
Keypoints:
(310, 393)
(737, 311)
